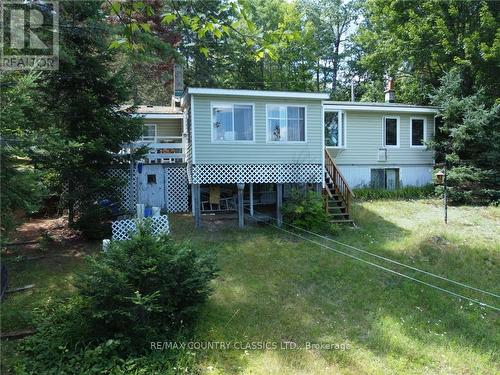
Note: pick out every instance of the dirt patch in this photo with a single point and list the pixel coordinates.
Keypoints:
(42, 237)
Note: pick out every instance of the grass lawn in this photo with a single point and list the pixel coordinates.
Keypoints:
(276, 288)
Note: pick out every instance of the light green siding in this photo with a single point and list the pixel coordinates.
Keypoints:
(260, 151)
(166, 127)
(365, 137)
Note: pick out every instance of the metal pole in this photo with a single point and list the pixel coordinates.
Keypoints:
(241, 214)
(251, 199)
(445, 196)
(279, 202)
(197, 211)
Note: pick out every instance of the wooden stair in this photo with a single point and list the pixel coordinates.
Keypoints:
(337, 193)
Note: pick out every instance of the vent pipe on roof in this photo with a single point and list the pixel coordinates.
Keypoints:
(389, 91)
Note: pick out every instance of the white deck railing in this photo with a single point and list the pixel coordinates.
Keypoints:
(161, 149)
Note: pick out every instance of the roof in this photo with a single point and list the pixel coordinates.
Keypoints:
(380, 107)
(153, 109)
(259, 93)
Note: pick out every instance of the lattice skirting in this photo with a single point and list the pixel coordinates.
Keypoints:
(177, 192)
(256, 173)
(124, 229)
(170, 189)
(127, 191)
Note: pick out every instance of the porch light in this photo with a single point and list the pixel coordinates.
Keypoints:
(440, 178)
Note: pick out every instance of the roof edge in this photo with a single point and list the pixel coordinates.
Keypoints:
(380, 107)
(259, 93)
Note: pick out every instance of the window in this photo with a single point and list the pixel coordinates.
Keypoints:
(286, 123)
(232, 122)
(387, 178)
(417, 132)
(151, 179)
(149, 132)
(335, 129)
(391, 131)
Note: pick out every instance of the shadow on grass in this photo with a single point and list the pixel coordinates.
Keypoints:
(277, 288)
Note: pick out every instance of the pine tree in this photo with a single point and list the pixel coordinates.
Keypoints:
(86, 127)
(469, 141)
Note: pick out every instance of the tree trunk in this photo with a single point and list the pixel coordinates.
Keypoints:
(335, 67)
(317, 76)
(262, 85)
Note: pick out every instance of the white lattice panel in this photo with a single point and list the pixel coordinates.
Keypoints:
(127, 190)
(256, 173)
(123, 229)
(177, 189)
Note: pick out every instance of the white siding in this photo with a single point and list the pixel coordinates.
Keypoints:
(359, 175)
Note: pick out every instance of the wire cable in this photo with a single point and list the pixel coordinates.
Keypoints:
(388, 259)
(480, 303)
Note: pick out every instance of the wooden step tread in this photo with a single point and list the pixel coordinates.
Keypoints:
(350, 221)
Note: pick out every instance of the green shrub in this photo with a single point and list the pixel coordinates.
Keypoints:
(94, 223)
(145, 287)
(470, 185)
(305, 209)
(143, 290)
(407, 192)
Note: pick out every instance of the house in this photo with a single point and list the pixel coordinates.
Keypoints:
(233, 150)
(381, 145)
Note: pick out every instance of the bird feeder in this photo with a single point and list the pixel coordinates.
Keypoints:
(440, 178)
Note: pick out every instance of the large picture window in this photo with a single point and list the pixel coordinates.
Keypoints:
(391, 131)
(417, 132)
(232, 122)
(335, 129)
(286, 123)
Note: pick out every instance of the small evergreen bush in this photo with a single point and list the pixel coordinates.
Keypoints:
(305, 209)
(145, 286)
(142, 290)
(94, 222)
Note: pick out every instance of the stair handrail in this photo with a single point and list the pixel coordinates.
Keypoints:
(339, 180)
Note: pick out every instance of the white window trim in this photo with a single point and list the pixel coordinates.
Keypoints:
(230, 104)
(155, 136)
(343, 135)
(398, 129)
(268, 137)
(425, 133)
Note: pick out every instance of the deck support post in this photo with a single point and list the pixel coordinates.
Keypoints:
(195, 190)
(193, 205)
(241, 213)
(279, 202)
(251, 199)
